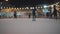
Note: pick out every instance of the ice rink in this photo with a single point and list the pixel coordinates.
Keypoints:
(27, 26)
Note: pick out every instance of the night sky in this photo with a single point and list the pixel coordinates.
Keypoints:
(29, 2)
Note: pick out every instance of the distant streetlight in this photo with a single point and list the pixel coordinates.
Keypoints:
(45, 6)
(27, 7)
(52, 5)
(6, 0)
(31, 8)
(20, 8)
(1, 7)
(17, 8)
(38, 7)
(4, 7)
(12, 8)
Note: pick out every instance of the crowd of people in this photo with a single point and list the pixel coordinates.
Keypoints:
(49, 14)
(52, 14)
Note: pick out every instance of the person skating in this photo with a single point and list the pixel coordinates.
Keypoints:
(15, 14)
(34, 14)
(55, 12)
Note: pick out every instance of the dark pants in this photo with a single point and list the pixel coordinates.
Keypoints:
(29, 16)
(15, 16)
(55, 16)
(34, 17)
(50, 15)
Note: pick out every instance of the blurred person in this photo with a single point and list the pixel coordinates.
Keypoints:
(29, 15)
(50, 13)
(34, 14)
(47, 14)
(0, 13)
(15, 14)
(55, 12)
